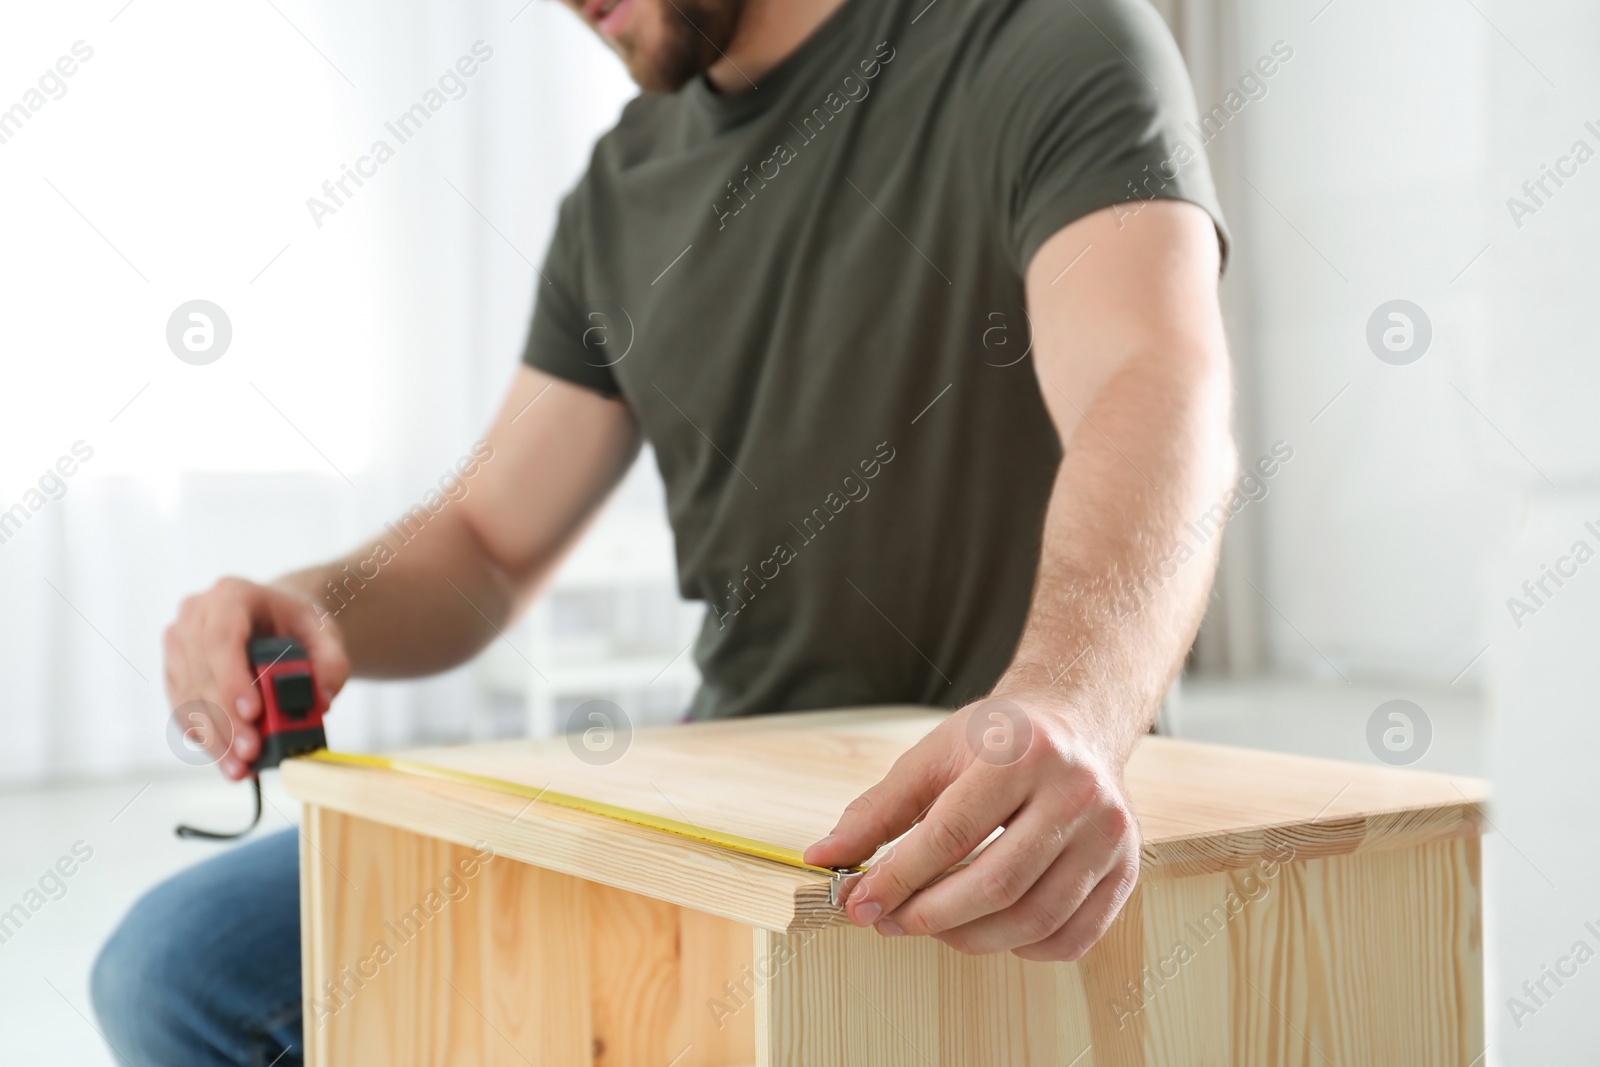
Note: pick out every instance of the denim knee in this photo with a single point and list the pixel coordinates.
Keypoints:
(205, 968)
(137, 986)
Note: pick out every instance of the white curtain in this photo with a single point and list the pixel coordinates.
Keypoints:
(370, 343)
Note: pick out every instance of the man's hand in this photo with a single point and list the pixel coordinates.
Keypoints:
(1045, 889)
(209, 682)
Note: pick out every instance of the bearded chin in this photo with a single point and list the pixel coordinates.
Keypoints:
(695, 34)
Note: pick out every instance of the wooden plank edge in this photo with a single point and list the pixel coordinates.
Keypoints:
(649, 862)
(1404, 828)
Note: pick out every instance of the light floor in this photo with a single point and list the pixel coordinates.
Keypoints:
(45, 1017)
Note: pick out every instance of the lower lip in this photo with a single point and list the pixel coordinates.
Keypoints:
(612, 24)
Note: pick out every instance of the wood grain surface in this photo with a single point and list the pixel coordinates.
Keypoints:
(409, 960)
(1358, 960)
(784, 779)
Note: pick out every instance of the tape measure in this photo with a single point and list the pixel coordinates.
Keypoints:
(732, 842)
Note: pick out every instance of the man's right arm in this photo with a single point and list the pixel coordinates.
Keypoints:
(436, 598)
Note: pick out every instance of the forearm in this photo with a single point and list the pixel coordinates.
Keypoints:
(447, 577)
(415, 600)
(1123, 580)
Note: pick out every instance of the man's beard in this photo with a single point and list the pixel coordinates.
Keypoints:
(694, 34)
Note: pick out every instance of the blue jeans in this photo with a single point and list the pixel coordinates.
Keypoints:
(205, 969)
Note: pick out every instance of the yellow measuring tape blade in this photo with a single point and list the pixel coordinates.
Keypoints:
(732, 842)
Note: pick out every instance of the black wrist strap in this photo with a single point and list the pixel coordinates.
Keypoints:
(211, 835)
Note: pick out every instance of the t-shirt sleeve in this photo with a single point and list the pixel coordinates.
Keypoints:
(1078, 105)
(565, 338)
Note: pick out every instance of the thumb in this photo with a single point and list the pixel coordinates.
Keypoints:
(891, 807)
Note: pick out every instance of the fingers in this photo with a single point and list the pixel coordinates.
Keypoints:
(1041, 911)
(1033, 840)
(889, 808)
(1047, 888)
(1101, 839)
(223, 632)
(201, 706)
(968, 811)
(1090, 921)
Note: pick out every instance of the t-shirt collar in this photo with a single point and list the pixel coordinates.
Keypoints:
(725, 110)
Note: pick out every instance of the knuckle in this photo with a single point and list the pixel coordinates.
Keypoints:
(225, 624)
(230, 586)
(918, 922)
(890, 883)
(863, 811)
(952, 834)
(1079, 889)
(1097, 786)
(1079, 792)
(907, 763)
(1116, 821)
(862, 807)
(1038, 922)
(1000, 887)
(1038, 755)
(1126, 880)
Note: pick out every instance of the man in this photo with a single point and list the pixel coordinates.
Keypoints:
(917, 305)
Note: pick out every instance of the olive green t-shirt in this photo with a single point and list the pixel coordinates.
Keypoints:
(810, 294)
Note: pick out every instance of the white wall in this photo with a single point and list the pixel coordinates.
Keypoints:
(1542, 861)
(1543, 378)
(1366, 171)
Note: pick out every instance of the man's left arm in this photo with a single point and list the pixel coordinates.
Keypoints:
(1132, 362)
